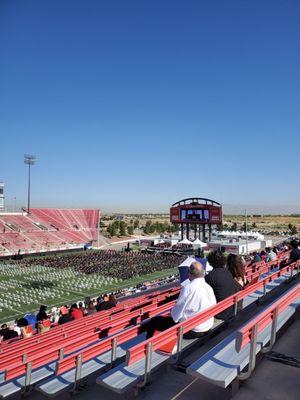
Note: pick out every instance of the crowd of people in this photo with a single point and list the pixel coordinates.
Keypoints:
(208, 283)
(202, 289)
(112, 263)
(43, 321)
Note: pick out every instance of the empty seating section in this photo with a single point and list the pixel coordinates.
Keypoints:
(13, 241)
(226, 361)
(19, 221)
(43, 239)
(45, 229)
(49, 216)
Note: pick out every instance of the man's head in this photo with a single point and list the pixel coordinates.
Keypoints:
(196, 270)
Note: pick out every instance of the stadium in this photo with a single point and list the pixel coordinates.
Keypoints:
(51, 258)
(149, 200)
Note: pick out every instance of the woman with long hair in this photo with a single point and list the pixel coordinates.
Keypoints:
(236, 267)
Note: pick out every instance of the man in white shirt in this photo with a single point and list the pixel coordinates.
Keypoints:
(271, 255)
(194, 297)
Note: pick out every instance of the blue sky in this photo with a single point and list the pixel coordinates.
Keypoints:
(133, 105)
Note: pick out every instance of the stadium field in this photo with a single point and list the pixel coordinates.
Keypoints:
(24, 289)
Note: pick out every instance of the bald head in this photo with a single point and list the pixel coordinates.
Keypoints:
(196, 270)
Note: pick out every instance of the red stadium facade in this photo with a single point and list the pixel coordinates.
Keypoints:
(46, 229)
(197, 215)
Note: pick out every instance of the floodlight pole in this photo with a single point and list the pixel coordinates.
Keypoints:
(28, 194)
(139, 235)
(98, 241)
(246, 229)
(29, 160)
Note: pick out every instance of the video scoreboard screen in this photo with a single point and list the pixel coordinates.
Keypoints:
(195, 214)
(208, 214)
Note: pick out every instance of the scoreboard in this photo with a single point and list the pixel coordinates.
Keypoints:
(197, 214)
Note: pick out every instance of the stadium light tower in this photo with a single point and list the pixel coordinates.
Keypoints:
(246, 229)
(29, 160)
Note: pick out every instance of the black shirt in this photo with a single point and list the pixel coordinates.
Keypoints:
(64, 318)
(295, 255)
(8, 334)
(41, 315)
(223, 284)
(106, 305)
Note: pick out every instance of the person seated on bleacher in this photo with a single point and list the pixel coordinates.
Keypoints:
(263, 255)
(64, 316)
(194, 298)
(257, 257)
(100, 300)
(54, 315)
(90, 309)
(76, 313)
(82, 307)
(295, 253)
(6, 333)
(25, 329)
(109, 302)
(222, 282)
(236, 267)
(41, 315)
(271, 255)
(44, 326)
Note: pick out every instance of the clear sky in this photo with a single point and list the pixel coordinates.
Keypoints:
(133, 105)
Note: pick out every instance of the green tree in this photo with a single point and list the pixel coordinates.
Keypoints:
(130, 230)
(111, 229)
(122, 228)
(148, 227)
(234, 227)
(136, 224)
(294, 230)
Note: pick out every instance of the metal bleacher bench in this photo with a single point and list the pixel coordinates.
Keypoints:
(52, 380)
(146, 357)
(49, 368)
(226, 361)
(58, 384)
(126, 376)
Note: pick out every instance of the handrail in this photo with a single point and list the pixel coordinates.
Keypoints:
(139, 351)
(249, 332)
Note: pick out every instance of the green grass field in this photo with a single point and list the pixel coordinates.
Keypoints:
(24, 289)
